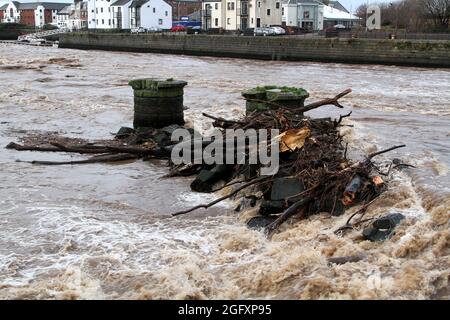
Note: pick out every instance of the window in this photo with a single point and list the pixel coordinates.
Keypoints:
(96, 10)
(268, 12)
(154, 10)
(305, 14)
(160, 21)
(230, 5)
(228, 21)
(259, 4)
(167, 13)
(282, 11)
(109, 22)
(277, 5)
(216, 22)
(216, 6)
(103, 21)
(101, 10)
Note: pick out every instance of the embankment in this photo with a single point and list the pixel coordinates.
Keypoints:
(13, 33)
(396, 52)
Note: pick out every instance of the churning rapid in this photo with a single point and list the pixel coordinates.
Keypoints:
(105, 231)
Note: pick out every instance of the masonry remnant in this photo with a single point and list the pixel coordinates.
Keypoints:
(274, 97)
(157, 103)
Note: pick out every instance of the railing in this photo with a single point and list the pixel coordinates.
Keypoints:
(42, 34)
(207, 13)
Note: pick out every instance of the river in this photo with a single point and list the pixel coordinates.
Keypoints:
(105, 232)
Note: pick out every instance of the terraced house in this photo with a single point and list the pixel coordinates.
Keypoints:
(240, 14)
(36, 14)
(126, 14)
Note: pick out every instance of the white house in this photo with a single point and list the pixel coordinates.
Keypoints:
(62, 17)
(150, 14)
(11, 12)
(73, 16)
(123, 14)
(99, 14)
(78, 15)
(241, 14)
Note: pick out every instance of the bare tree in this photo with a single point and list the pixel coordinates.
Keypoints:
(438, 11)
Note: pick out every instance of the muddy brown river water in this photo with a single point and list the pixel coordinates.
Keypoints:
(105, 231)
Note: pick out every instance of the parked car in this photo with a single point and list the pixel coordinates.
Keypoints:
(154, 29)
(339, 26)
(178, 28)
(263, 32)
(194, 30)
(139, 30)
(278, 30)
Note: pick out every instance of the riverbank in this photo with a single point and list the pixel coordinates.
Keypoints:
(422, 53)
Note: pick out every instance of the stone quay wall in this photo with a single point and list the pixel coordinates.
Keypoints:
(425, 53)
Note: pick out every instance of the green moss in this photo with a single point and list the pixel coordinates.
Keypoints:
(283, 89)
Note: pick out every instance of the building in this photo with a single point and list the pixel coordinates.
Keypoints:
(126, 14)
(183, 9)
(337, 5)
(99, 14)
(36, 14)
(121, 14)
(240, 14)
(150, 14)
(62, 17)
(78, 16)
(314, 15)
(305, 14)
(332, 16)
(73, 16)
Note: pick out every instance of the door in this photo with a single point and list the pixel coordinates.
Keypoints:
(243, 23)
(258, 22)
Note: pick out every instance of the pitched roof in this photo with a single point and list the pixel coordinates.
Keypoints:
(330, 13)
(65, 11)
(120, 2)
(338, 5)
(138, 3)
(34, 5)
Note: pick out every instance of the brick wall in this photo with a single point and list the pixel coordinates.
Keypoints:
(48, 16)
(27, 17)
(396, 52)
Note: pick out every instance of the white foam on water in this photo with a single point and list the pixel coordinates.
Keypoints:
(101, 231)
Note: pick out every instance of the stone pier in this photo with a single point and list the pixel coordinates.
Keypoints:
(158, 103)
(274, 97)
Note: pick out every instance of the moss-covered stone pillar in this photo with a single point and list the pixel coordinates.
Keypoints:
(158, 103)
(274, 97)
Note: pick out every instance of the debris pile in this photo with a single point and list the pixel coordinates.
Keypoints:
(315, 175)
